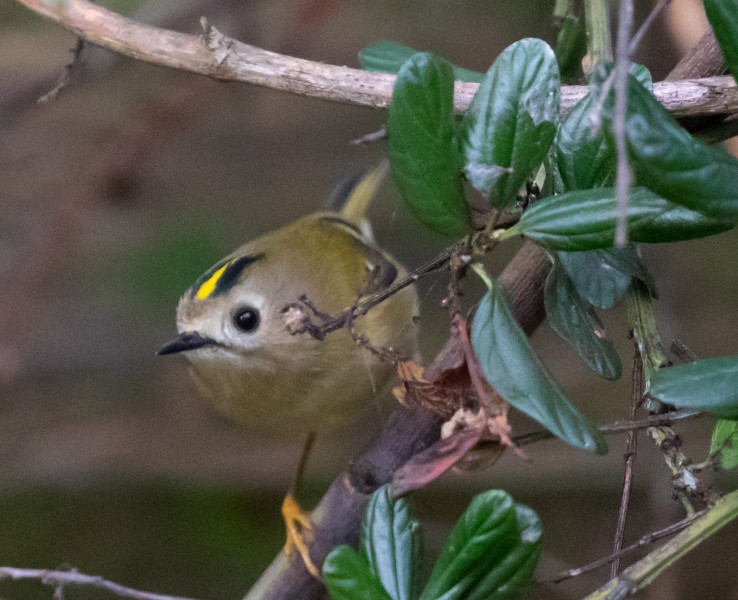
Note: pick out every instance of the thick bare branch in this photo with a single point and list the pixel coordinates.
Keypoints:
(230, 60)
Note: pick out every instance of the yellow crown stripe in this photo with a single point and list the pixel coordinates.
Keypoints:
(208, 287)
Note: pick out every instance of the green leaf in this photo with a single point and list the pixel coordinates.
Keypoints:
(723, 17)
(583, 160)
(515, 371)
(602, 276)
(347, 576)
(491, 552)
(391, 542)
(511, 121)
(575, 321)
(422, 150)
(386, 56)
(724, 443)
(710, 384)
(642, 75)
(585, 220)
(673, 164)
(516, 570)
(571, 46)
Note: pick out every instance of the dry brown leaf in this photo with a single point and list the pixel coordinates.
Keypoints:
(441, 397)
(434, 461)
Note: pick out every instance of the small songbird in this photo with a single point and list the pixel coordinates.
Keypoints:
(245, 360)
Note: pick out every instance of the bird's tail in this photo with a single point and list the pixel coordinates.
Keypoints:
(352, 198)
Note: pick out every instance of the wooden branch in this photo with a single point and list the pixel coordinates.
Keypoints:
(337, 517)
(705, 60)
(340, 511)
(60, 579)
(227, 59)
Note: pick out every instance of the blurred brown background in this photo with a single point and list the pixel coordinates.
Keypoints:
(118, 194)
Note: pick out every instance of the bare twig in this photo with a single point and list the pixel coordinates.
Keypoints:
(369, 138)
(540, 435)
(232, 60)
(329, 323)
(647, 539)
(631, 444)
(668, 418)
(60, 579)
(684, 478)
(646, 25)
(638, 576)
(624, 178)
(66, 76)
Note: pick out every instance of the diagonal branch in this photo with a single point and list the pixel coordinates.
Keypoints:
(227, 59)
(339, 513)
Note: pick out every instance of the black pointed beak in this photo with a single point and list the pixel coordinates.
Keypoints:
(189, 340)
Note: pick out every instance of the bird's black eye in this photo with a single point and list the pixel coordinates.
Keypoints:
(247, 319)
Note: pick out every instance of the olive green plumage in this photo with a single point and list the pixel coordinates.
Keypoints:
(242, 356)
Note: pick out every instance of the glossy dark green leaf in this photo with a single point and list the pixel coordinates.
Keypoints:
(491, 552)
(723, 17)
(510, 575)
(348, 577)
(583, 160)
(515, 371)
(673, 164)
(585, 220)
(710, 384)
(386, 56)
(575, 321)
(724, 443)
(602, 276)
(678, 224)
(422, 152)
(390, 540)
(511, 121)
(571, 46)
(481, 537)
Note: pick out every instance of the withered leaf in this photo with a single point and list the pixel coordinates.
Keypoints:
(434, 461)
(448, 392)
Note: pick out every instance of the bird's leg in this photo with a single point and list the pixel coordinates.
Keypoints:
(299, 527)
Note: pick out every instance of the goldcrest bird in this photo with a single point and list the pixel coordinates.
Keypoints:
(241, 354)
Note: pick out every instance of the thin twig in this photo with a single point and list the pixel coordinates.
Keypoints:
(641, 574)
(59, 579)
(646, 25)
(66, 76)
(647, 539)
(631, 445)
(368, 138)
(540, 435)
(624, 178)
(668, 418)
(329, 323)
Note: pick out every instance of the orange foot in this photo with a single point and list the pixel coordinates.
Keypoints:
(299, 533)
